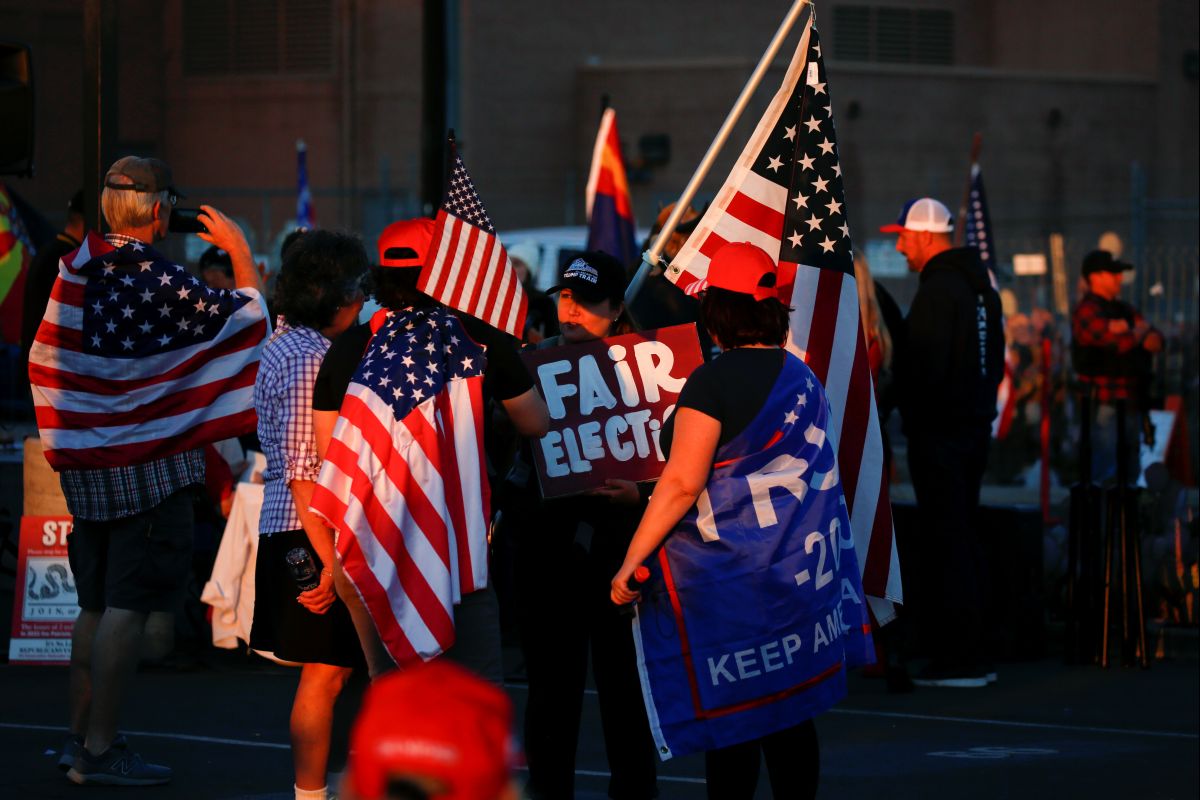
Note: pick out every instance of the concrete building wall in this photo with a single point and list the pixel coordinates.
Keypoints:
(1066, 92)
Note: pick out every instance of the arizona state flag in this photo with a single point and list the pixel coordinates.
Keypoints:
(610, 214)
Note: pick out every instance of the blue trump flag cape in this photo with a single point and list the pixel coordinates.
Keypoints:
(754, 608)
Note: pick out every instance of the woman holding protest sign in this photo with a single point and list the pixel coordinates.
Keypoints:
(754, 607)
(564, 553)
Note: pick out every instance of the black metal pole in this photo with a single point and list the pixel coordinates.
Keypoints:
(99, 100)
(1123, 535)
(1110, 523)
(434, 64)
(1139, 607)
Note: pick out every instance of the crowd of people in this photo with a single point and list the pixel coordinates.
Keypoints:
(443, 729)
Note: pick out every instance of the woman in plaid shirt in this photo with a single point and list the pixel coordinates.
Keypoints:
(318, 296)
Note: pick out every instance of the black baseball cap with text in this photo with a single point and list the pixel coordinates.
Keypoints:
(593, 276)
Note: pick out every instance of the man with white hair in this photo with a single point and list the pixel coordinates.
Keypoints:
(135, 367)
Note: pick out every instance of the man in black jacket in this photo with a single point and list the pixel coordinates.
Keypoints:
(947, 380)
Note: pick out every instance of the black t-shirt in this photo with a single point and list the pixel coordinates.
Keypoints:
(732, 389)
(504, 378)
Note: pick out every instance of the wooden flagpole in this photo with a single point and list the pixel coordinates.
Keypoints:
(651, 256)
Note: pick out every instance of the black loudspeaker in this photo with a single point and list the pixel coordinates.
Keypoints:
(1010, 538)
(16, 100)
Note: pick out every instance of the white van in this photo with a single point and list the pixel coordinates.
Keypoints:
(546, 250)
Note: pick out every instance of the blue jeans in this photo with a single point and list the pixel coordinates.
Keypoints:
(1104, 444)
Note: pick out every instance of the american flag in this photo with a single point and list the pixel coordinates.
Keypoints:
(471, 270)
(136, 359)
(785, 195)
(404, 481)
(304, 212)
(977, 223)
(977, 229)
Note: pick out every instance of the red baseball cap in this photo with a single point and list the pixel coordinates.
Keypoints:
(406, 243)
(435, 721)
(739, 267)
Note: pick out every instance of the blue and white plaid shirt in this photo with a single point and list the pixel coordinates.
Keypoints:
(283, 399)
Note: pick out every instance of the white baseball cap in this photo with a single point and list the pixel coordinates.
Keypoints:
(922, 214)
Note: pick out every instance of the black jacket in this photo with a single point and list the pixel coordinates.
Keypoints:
(953, 360)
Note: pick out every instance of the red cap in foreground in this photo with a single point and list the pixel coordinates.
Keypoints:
(436, 722)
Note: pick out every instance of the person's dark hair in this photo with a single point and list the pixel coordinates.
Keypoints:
(321, 272)
(289, 240)
(623, 324)
(735, 319)
(216, 258)
(75, 206)
(396, 288)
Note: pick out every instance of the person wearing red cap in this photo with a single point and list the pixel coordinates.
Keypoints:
(724, 401)
(434, 732)
(404, 249)
(947, 379)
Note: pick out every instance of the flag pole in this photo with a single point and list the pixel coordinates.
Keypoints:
(960, 231)
(650, 258)
(447, 168)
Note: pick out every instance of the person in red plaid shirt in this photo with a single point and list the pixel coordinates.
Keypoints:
(1111, 348)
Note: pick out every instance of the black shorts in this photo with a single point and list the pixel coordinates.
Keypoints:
(137, 563)
(287, 629)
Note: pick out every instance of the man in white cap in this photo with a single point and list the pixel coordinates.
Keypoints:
(947, 380)
(132, 339)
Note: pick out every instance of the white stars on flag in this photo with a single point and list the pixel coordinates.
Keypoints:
(129, 300)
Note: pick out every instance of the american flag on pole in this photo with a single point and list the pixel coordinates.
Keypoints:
(137, 360)
(471, 270)
(785, 195)
(404, 482)
(304, 212)
(977, 229)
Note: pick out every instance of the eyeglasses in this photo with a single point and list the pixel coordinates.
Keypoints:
(172, 198)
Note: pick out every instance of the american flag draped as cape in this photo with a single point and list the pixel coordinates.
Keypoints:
(471, 270)
(137, 360)
(404, 482)
(785, 195)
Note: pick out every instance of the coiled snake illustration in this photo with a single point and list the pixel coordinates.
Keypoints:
(56, 574)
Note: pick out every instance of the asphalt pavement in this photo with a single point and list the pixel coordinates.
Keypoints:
(1044, 730)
